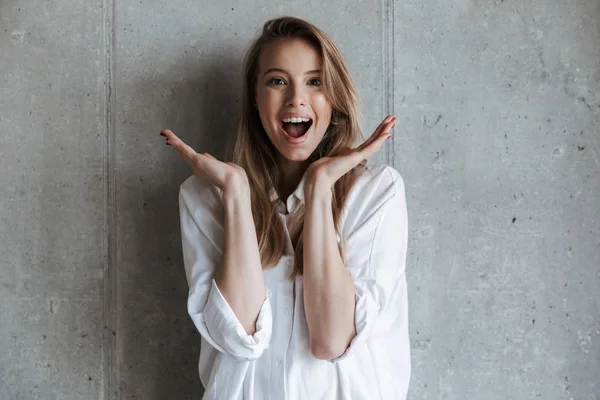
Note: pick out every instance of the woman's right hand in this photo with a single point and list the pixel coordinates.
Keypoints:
(205, 166)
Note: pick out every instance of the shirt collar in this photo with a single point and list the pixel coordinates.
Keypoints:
(298, 192)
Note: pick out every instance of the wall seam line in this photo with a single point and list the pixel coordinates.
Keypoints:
(388, 58)
(109, 365)
(392, 19)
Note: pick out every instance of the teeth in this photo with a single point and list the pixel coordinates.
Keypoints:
(295, 120)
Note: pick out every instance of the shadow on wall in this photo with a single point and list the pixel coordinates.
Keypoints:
(158, 345)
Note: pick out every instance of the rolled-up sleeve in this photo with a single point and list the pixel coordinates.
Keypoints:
(376, 258)
(202, 237)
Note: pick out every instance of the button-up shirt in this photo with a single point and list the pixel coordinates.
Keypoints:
(276, 362)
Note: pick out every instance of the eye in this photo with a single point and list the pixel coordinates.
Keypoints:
(273, 80)
(316, 80)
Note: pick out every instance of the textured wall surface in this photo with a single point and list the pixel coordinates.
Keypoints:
(497, 138)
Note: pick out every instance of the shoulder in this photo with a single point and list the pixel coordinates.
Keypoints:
(378, 191)
(378, 182)
(377, 188)
(200, 197)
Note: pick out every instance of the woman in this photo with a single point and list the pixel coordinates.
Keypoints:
(295, 251)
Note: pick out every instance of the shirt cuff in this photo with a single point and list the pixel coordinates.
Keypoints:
(365, 315)
(222, 329)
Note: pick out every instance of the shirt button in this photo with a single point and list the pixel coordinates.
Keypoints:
(286, 311)
(279, 359)
(290, 263)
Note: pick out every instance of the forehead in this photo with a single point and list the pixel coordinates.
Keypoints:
(292, 54)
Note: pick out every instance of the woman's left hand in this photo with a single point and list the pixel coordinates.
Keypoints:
(327, 170)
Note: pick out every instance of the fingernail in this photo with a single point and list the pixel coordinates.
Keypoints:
(393, 119)
(388, 136)
(162, 134)
(393, 125)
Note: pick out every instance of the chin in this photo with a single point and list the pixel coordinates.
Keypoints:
(296, 156)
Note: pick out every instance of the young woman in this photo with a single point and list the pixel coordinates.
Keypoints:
(295, 251)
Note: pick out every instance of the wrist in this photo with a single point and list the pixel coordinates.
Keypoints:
(318, 190)
(236, 190)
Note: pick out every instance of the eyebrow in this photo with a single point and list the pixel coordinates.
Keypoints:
(284, 71)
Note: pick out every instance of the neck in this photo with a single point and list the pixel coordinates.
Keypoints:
(290, 174)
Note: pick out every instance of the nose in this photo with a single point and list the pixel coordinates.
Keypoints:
(296, 96)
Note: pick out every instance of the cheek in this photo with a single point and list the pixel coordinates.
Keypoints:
(270, 106)
(321, 101)
(324, 110)
(266, 105)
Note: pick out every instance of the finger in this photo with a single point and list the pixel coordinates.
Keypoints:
(380, 130)
(388, 128)
(382, 126)
(189, 155)
(373, 147)
(178, 144)
(386, 125)
(348, 160)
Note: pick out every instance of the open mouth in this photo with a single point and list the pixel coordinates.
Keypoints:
(296, 129)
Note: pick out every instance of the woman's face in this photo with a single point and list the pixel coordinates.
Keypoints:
(289, 85)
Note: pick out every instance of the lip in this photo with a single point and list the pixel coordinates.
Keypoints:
(295, 115)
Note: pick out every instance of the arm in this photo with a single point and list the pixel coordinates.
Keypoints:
(217, 247)
(329, 299)
(375, 246)
(240, 278)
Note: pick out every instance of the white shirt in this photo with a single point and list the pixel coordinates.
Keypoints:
(276, 362)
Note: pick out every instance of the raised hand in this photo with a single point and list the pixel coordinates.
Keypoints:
(205, 166)
(327, 170)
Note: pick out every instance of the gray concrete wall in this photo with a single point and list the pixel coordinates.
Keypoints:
(497, 138)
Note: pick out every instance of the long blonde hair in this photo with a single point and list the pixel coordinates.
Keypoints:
(256, 154)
